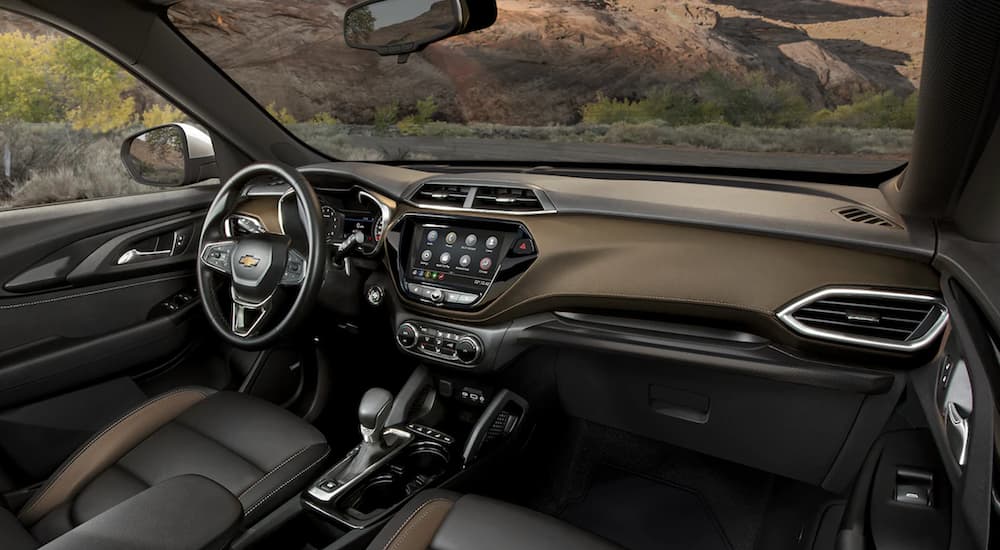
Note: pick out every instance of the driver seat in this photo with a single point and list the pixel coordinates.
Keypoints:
(260, 453)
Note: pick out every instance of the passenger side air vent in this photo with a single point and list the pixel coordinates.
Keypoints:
(486, 197)
(514, 199)
(436, 194)
(862, 215)
(882, 319)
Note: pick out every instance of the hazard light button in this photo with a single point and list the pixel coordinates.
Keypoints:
(523, 247)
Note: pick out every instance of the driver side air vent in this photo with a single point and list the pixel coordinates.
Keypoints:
(436, 194)
(874, 318)
(865, 216)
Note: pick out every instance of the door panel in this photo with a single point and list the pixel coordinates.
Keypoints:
(80, 302)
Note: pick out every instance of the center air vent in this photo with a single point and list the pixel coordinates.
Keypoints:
(437, 194)
(862, 215)
(889, 320)
(506, 198)
(482, 197)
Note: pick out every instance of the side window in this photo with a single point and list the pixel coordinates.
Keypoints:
(64, 110)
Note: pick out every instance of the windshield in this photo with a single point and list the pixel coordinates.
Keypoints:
(824, 86)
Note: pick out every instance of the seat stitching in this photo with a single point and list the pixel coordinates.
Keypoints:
(95, 439)
(283, 485)
(276, 468)
(406, 523)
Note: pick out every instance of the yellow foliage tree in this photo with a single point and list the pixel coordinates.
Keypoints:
(160, 114)
(48, 78)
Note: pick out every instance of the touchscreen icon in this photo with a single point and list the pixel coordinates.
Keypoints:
(426, 255)
(471, 240)
(445, 257)
(451, 237)
(432, 236)
(485, 264)
(465, 260)
(492, 242)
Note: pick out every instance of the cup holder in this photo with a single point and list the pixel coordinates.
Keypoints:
(426, 459)
(380, 492)
(417, 466)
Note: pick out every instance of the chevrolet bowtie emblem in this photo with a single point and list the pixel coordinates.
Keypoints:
(249, 261)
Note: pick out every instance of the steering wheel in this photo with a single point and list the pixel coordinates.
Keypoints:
(259, 273)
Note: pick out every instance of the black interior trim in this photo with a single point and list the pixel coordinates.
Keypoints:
(752, 360)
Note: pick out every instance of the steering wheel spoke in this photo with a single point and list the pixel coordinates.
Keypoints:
(218, 256)
(247, 318)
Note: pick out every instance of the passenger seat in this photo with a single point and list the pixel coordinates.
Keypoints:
(442, 520)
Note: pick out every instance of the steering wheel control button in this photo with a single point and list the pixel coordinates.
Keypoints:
(451, 237)
(406, 335)
(295, 269)
(471, 240)
(432, 236)
(217, 255)
(445, 257)
(523, 247)
(492, 242)
(465, 260)
(485, 264)
(426, 255)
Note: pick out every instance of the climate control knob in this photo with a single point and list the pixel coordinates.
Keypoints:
(406, 335)
(468, 350)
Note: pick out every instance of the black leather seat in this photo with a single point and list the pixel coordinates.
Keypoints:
(442, 520)
(260, 453)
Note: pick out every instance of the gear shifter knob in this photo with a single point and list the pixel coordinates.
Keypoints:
(372, 414)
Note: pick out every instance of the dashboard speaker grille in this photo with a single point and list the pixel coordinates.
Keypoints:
(874, 318)
(861, 215)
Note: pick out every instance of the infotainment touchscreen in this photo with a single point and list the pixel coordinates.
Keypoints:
(455, 257)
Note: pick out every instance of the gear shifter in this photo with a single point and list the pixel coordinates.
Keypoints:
(372, 414)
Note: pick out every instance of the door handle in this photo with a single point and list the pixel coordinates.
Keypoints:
(134, 255)
(176, 242)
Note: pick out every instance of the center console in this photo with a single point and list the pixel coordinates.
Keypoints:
(457, 263)
(424, 446)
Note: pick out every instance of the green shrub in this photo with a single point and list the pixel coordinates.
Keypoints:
(282, 114)
(872, 110)
(386, 116)
(324, 118)
(751, 101)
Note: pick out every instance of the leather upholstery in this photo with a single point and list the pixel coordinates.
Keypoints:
(441, 520)
(260, 453)
(189, 512)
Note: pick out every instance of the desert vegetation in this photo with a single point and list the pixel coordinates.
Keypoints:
(64, 109)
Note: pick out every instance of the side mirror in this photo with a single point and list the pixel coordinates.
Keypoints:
(400, 27)
(169, 156)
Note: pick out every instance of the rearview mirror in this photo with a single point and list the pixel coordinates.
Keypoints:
(399, 27)
(169, 156)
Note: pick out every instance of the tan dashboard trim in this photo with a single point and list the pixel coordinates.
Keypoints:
(605, 260)
(264, 209)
